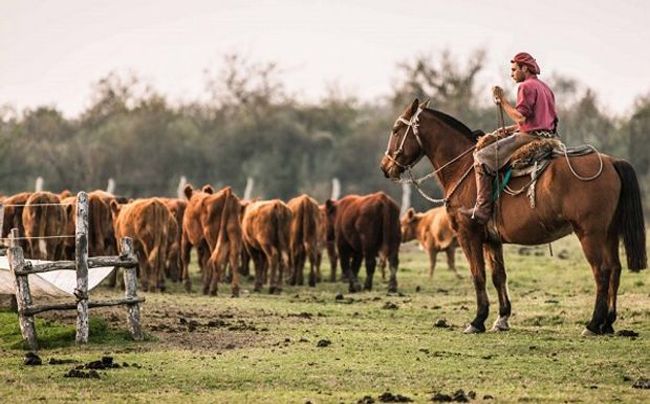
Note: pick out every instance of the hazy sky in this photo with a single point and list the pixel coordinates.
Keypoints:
(52, 51)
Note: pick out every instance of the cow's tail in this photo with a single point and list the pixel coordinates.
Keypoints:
(310, 228)
(158, 252)
(628, 219)
(221, 249)
(298, 233)
(390, 227)
(282, 218)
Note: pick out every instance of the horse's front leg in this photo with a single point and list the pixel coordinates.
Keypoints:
(472, 246)
(494, 257)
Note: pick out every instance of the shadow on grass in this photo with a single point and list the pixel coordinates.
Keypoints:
(51, 334)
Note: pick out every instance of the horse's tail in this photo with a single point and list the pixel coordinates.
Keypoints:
(628, 219)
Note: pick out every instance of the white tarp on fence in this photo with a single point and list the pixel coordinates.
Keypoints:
(54, 283)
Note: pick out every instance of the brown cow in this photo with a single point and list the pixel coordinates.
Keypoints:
(13, 218)
(177, 208)
(220, 219)
(365, 227)
(147, 222)
(45, 221)
(304, 237)
(327, 242)
(192, 232)
(102, 240)
(265, 229)
(433, 230)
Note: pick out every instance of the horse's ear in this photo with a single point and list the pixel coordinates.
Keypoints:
(415, 106)
(425, 104)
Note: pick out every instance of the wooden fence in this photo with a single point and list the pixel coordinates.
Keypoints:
(82, 263)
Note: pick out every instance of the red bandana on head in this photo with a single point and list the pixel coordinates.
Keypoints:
(524, 58)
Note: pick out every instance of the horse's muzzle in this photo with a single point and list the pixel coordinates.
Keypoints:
(390, 169)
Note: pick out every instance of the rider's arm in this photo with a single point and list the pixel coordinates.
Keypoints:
(512, 112)
(523, 108)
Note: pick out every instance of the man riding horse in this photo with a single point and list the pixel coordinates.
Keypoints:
(534, 115)
(602, 209)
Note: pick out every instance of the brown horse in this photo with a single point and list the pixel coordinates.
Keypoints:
(599, 211)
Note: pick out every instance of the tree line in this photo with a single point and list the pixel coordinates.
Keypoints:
(250, 126)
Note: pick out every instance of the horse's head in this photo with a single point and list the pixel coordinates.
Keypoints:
(404, 148)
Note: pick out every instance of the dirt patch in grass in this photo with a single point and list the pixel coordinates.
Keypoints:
(206, 329)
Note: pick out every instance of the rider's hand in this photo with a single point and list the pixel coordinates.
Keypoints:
(497, 94)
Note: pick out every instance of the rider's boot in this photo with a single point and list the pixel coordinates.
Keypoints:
(482, 211)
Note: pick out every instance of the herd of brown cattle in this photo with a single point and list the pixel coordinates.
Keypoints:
(227, 232)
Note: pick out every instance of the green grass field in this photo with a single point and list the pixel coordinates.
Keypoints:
(262, 348)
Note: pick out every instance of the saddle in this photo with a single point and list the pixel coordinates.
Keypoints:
(531, 159)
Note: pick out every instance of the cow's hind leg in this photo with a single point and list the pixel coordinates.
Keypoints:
(314, 270)
(355, 286)
(393, 263)
(234, 265)
(259, 264)
(345, 259)
(371, 263)
(451, 260)
(433, 255)
(275, 268)
(494, 257)
(186, 249)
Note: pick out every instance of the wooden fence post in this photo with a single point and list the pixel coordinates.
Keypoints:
(130, 290)
(81, 265)
(23, 297)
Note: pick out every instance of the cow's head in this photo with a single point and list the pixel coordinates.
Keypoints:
(409, 224)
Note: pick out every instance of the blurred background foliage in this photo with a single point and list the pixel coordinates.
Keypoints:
(249, 126)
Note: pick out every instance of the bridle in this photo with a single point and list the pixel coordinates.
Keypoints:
(413, 124)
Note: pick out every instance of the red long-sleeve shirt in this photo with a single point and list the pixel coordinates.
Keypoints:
(536, 102)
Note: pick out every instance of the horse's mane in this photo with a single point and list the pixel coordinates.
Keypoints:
(458, 125)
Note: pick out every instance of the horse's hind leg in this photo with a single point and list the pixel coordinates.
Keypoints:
(595, 247)
(494, 256)
(614, 281)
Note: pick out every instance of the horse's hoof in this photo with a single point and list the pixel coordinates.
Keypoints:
(472, 330)
(588, 333)
(501, 324)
